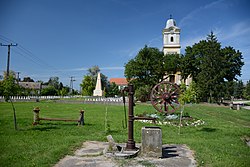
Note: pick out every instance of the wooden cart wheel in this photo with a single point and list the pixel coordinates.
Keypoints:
(164, 97)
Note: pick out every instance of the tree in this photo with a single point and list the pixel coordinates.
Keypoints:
(63, 91)
(149, 67)
(93, 71)
(54, 82)
(210, 66)
(49, 91)
(142, 93)
(9, 87)
(27, 79)
(87, 86)
(188, 94)
(171, 63)
(146, 68)
(238, 89)
(247, 90)
(113, 90)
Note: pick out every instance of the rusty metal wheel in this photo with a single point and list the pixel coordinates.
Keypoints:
(164, 97)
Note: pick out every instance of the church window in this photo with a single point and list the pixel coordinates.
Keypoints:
(171, 39)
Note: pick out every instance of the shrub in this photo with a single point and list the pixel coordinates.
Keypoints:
(143, 93)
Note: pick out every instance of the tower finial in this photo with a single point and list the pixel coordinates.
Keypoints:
(170, 16)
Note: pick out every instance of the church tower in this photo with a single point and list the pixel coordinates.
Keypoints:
(171, 38)
(171, 45)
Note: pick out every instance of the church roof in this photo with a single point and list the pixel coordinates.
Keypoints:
(170, 23)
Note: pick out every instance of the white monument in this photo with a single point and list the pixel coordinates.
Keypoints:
(98, 87)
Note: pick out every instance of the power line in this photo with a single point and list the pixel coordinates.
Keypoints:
(31, 56)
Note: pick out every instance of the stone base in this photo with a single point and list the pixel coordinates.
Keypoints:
(151, 142)
(98, 93)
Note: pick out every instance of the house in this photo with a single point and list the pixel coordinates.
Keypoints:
(35, 86)
(121, 82)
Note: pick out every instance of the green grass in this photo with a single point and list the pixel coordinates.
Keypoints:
(216, 143)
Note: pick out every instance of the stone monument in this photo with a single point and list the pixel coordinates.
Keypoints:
(98, 88)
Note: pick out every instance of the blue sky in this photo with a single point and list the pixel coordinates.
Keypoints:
(66, 37)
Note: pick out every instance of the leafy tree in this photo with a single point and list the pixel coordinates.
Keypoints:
(9, 87)
(49, 91)
(54, 82)
(63, 91)
(87, 86)
(146, 68)
(93, 71)
(188, 94)
(60, 86)
(247, 90)
(149, 67)
(27, 79)
(171, 63)
(11, 73)
(113, 90)
(143, 93)
(238, 89)
(232, 63)
(210, 66)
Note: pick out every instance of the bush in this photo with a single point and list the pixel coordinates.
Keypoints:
(50, 90)
(143, 93)
(188, 94)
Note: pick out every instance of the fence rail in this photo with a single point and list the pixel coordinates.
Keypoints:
(68, 99)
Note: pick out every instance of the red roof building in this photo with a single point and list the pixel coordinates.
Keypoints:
(121, 82)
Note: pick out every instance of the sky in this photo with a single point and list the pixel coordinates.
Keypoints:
(64, 38)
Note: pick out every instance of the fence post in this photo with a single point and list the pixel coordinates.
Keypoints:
(231, 105)
(81, 118)
(238, 106)
(36, 115)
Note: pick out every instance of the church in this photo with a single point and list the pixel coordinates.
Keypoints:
(171, 45)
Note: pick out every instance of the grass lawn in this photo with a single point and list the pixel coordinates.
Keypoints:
(219, 142)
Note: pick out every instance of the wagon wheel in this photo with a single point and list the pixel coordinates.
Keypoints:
(164, 97)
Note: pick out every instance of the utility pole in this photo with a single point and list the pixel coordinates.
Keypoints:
(18, 77)
(71, 84)
(8, 59)
(7, 76)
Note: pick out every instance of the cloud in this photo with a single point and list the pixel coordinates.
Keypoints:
(131, 52)
(192, 40)
(241, 28)
(196, 12)
(111, 68)
(101, 68)
(155, 40)
(76, 69)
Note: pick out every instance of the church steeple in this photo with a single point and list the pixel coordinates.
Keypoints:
(171, 37)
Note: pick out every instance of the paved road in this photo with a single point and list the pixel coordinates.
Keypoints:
(246, 107)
